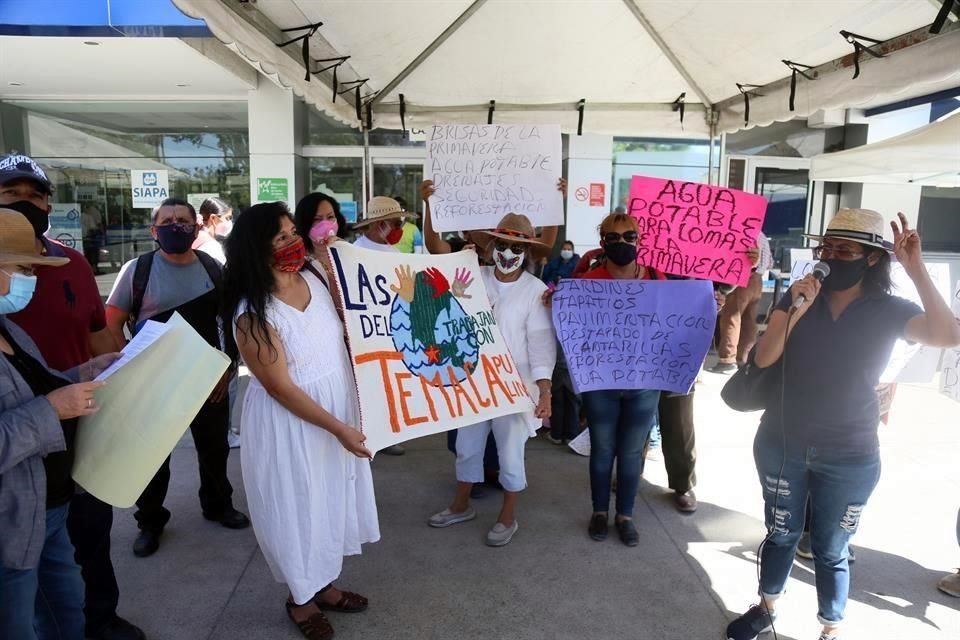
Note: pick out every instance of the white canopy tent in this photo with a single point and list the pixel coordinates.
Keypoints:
(928, 156)
(630, 62)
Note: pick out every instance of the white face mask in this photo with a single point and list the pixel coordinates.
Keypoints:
(223, 229)
(507, 261)
(566, 254)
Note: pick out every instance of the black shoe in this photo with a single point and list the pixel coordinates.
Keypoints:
(395, 450)
(146, 543)
(119, 629)
(598, 527)
(723, 367)
(628, 533)
(751, 624)
(230, 518)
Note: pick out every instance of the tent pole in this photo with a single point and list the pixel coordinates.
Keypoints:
(713, 136)
(366, 178)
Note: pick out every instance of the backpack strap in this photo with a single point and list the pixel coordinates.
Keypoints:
(214, 270)
(141, 276)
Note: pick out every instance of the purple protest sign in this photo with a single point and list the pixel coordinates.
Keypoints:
(634, 334)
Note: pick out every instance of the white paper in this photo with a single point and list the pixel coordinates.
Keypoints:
(145, 408)
(800, 268)
(581, 444)
(145, 338)
(483, 172)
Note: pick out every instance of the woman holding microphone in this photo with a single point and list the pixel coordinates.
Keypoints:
(821, 439)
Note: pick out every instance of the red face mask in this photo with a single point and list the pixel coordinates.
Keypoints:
(291, 257)
(395, 235)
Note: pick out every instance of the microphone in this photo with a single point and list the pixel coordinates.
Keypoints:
(820, 271)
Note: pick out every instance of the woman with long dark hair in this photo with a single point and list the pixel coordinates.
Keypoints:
(305, 469)
(818, 436)
(317, 217)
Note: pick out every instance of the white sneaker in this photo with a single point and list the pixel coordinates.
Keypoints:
(446, 518)
(501, 534)
(950, 584)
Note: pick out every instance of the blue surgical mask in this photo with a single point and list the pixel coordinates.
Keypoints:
(19, 295)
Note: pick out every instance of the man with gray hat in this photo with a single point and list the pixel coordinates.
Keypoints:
(66, 320)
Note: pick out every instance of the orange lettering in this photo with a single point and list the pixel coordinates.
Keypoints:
(383, 357)
(492, 378)
(468, 367)
(438, 383)
(426, 394)
(458, 391)
(404, 394)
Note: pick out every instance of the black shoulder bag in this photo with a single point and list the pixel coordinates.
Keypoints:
(751, 388)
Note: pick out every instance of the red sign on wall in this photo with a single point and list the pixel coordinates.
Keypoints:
(597, 194)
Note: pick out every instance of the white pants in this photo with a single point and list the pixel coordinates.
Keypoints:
(511, 434)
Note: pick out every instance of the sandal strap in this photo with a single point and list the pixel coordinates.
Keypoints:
(316, 627)
(350, 600)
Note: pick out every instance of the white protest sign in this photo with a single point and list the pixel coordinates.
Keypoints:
(65, 225)
(914, 363)
(483, 172)
(800, 268)
(950, 380)
(427, 353)
(150, 188)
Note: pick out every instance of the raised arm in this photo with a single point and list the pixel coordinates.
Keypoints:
(431, 239)
(937, 326)
(549, 234)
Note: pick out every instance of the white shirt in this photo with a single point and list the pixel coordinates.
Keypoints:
(364, 242)
(211, 246)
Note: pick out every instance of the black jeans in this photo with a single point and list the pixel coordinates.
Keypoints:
(89, 522)
(565, 406)
(209, 431)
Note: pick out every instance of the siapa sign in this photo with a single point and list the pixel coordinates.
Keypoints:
(65, 225)
(150, 188)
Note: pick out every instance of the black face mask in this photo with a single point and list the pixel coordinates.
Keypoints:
(845, 273)
(620, 253)
(39, 218)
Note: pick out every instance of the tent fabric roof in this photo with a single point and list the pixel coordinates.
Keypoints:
(628, 59)
(928, 156)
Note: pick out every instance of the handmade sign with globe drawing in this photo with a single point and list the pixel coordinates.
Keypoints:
(427, 353)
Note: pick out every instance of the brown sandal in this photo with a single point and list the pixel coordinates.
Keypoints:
(349, 603)
(316, 627)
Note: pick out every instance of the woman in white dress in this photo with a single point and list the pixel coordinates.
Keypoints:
(306, 471)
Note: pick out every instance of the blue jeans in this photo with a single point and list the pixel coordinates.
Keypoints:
(838, 485)
(620, 422)
(45, 603)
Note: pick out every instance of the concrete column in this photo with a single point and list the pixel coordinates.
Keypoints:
(276, 121)
(14, 133)
(589, 168)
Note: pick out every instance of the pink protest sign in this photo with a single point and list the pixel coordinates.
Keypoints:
(693, 229)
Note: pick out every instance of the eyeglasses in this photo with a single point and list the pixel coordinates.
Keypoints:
(841, 253)
(517, 247)
(612, 237)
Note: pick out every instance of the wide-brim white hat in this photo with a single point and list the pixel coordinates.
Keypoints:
(865, 226)
(383, 208)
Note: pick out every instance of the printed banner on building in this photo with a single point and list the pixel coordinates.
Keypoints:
(697, 230)
(149, 188)
(482, 172)
(66, 225)
(634, 334)
(427, 353)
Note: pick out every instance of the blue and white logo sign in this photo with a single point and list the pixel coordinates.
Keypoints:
(150, 188)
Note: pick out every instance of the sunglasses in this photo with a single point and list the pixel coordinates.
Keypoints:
(612, 237)
(516, 248)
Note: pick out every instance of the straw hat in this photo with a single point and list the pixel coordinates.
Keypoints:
(514, 227)
(865, 226)
(383, 208)
(18, 243)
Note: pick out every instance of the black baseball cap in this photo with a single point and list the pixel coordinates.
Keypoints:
(17, 166)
